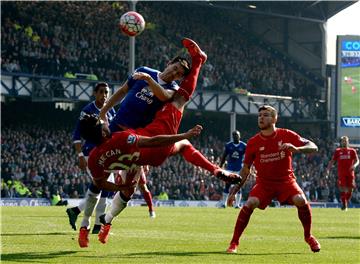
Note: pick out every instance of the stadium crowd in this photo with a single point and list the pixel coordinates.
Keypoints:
(36, 40)
(38, 162)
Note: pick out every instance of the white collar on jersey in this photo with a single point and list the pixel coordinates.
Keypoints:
(161, 81)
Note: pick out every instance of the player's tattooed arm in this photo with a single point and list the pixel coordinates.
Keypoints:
(309, 147)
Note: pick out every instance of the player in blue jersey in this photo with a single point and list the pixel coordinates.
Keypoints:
(139, 104)
(101, 94)
(235, 151)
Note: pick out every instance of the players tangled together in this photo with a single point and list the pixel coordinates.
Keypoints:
(144, 132)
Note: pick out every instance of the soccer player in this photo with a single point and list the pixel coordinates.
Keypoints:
(101, 94)
(137, 109)
(235, 151)
(347, 160)
(127, 150)
(271, 153)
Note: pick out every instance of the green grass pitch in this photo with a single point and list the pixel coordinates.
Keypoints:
(350, 101)
(180, 235)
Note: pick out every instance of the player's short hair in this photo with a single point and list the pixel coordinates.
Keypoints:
(100, 84)
(236, 132)
(269, 108)
(91, 128)
(183, 62)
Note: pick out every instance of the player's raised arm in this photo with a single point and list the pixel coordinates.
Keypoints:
(113, 100)
(165, 140)
(161, 93)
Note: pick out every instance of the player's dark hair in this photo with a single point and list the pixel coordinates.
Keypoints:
(100, 84)
(183, 62)
(91, 128)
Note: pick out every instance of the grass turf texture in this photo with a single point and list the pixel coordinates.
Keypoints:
(180, 235)
(350, 102)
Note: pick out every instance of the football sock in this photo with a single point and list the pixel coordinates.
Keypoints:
(304, 213)
(148, 199)
(238, 198)
(91, 200)
(241, 223)
(194, 156)
(118, 204)
(188, 85)
(100, 210)
(348, 196)
(343, 198)
(224, 198)
(81, 205)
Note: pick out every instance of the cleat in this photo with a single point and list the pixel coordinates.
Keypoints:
(313, 243)
(222, 206)
(83, 237)
(103, 235)
(237, 207)
(96, 229)
(152, 214)
(194, 49)
(72, 214)
(227, 176)
(104, 232)
(232, 249)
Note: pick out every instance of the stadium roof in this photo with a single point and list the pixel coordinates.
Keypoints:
(312, 11)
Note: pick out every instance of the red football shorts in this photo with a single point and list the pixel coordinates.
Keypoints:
(283, 192)
(347, 181)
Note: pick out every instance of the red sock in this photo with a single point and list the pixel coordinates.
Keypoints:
(343, 197)
(241, 223)
(148, 199)
(188, 85)
(194, 156)
(304, 213)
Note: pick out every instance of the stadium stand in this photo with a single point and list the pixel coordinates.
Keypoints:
(90, 44)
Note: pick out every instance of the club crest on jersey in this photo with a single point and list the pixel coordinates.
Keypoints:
(261, 148)
(131, 139)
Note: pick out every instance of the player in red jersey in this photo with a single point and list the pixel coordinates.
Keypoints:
(270, 151)
(126, 150)
(347, 160)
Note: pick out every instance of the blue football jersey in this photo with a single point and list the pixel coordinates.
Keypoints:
(90, 108)
(235, 154)
(140, 105)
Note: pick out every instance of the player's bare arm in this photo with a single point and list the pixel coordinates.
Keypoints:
(159, 92)
(310, 147)
(356, 163)
(165, 140)
(113, 100)
(82, 160)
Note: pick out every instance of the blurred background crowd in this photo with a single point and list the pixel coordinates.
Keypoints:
(36, 39)
(38, 160)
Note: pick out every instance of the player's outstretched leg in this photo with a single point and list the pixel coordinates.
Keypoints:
(198, 57)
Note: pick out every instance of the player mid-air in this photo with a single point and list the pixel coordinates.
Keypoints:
(122, 151)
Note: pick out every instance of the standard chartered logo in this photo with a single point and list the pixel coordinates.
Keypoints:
(145, 95)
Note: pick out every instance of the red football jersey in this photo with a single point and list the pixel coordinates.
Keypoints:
(345, 158)
(272, 164)
(122, 153)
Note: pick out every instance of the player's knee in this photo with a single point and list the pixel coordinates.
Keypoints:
(299, 200)
(252, 203)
